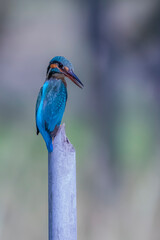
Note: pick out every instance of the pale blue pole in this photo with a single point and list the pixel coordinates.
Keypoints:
(62, 212)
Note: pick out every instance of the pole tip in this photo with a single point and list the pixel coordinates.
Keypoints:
(61, 141)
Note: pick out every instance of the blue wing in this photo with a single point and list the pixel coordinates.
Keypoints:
(50, 107)
(54, 104)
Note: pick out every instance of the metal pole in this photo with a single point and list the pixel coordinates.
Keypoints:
(62, 213)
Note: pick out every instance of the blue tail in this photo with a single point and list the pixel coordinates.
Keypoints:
(48, 140)
(49, 146)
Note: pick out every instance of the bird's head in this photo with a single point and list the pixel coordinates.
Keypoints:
(59, 67)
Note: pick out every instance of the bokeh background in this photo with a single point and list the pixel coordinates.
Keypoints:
(113, 122)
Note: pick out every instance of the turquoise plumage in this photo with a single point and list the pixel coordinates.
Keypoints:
(52, 98)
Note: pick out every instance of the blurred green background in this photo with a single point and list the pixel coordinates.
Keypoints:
(113, 122)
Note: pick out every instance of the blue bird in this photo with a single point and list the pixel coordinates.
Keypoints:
(52, 98)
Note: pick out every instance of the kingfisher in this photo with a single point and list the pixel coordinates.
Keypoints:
(52, 98)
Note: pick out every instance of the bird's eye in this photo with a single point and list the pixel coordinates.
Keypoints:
(60, 65)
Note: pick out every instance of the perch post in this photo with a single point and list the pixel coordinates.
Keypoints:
(62, 215)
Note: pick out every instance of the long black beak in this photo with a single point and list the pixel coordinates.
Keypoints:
(70, 74)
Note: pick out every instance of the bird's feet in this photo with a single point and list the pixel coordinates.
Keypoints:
(54, 132)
